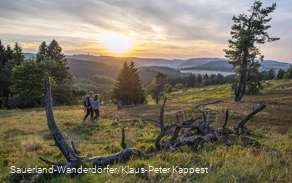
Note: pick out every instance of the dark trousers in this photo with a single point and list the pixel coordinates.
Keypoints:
(96, 111)
(88, 111)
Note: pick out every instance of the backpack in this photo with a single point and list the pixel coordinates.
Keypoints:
(86, 102)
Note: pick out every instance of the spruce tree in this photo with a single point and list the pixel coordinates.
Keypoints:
(200, 79)
(128, 87)
(42, 52)
(18, 55)
(120, 92)
(288, 74)
(247, 31)
(137, 96)
(8, 60)
(2, 56)
(9, 53)
(60, 71)
(51, 56)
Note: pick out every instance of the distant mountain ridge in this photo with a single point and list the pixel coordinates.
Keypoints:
(87, 69)
(174, 63)
(89, 65)
(139, 62)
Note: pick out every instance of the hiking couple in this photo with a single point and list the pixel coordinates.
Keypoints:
(92, 105)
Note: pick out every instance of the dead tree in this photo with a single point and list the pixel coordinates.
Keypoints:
(201, 132)
(197, 133)
(74, 160)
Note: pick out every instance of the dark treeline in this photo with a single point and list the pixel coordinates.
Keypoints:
(198, 80)
(9, 58)
(22, 81)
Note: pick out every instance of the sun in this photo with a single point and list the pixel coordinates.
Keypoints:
(116, 43)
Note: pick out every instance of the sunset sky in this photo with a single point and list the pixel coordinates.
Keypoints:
(147, 28)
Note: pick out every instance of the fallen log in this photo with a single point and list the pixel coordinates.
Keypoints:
(74, 160)
(240, 128)
(184, 132)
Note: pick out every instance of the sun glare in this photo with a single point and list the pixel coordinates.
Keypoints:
(116, 43)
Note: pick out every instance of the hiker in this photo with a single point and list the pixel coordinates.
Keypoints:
(88, 103)
(96, 106)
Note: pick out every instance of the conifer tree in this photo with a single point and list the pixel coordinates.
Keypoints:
(60, 71)
(280, 74)
(128, 87)
(137, 96)
(9, 58)
(200, 79)
(42, 52)
(18, 55)
(288, 74)
(120, 92)
(247, 31)
(2, 56)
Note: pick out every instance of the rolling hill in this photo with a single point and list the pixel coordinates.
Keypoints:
(87, 69)
(120, 60)
(87, 66)
(223, 65)
(193, 62)
(218, 65)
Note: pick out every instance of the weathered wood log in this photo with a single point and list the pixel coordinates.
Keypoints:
(226, 118)
(163, 128)
(239, 128)
(204, 132)
(72, 156)
(207, 103)
(60, 141)
(122, 156)
(123, 144)
(195, 134)
(161, 116)
(250, 142)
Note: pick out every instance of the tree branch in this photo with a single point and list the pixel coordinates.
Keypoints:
(251, 114)
(208, 103)
(123, 144)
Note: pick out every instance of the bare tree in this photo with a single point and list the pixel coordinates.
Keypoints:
(196, 134)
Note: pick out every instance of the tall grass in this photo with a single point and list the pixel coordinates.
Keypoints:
(24, 136)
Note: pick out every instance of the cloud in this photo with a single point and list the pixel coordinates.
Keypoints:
(171, 25)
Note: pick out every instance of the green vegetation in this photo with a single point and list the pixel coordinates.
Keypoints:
(28, 84)
(22, 80)
(9, 58)
(192, 80)
(89, 68)
(158, 86)
(244, 55)
(128, 88)
(24, 136)
(102, 79)
(288, 74)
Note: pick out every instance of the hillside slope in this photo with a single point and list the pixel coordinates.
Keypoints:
(24, 136)
(87, 69)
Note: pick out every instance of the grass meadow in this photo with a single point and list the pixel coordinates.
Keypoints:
(24, 137)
